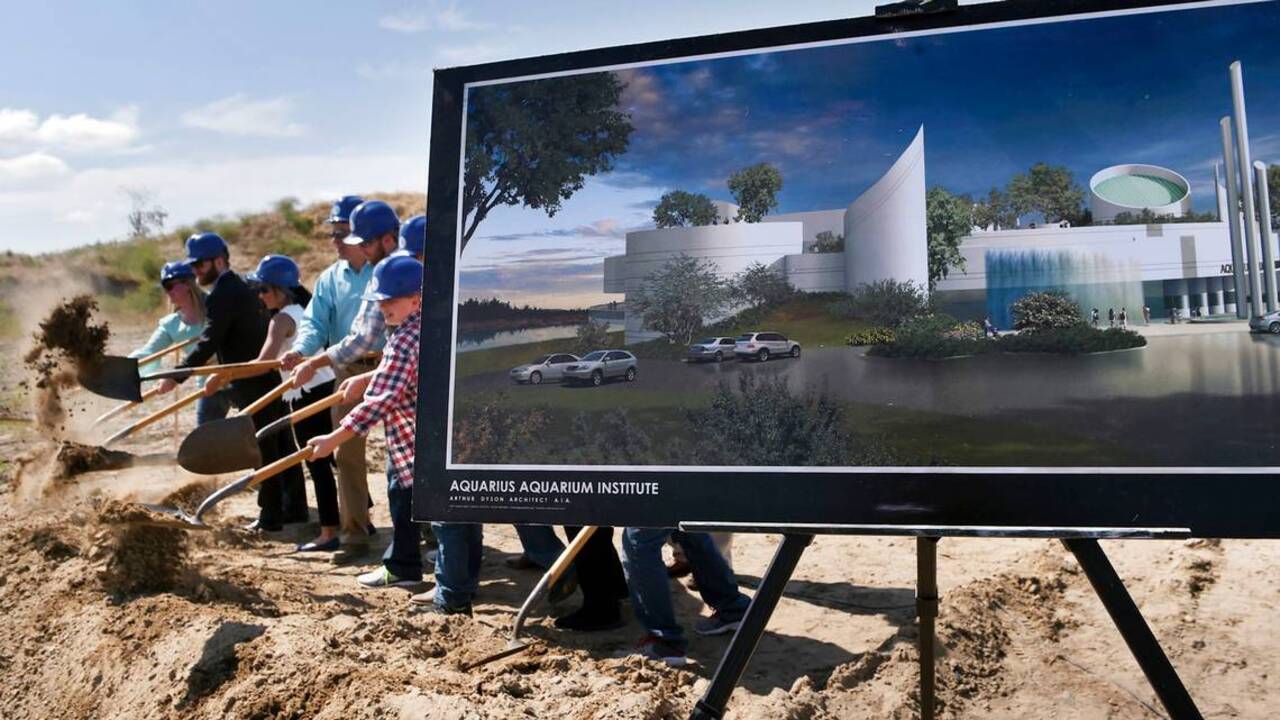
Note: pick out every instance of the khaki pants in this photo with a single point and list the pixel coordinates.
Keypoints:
(353, 469)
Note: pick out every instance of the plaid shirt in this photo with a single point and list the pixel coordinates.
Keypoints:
(391, 397)
(368, 334)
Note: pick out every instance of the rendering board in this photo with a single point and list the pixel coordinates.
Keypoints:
(974, 268)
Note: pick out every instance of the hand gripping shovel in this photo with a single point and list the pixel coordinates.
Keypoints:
(119, 379)
(232, 443)
(129, 405)
(515, 645)
(175, 517)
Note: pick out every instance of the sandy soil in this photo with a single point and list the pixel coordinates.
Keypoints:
(223, 624)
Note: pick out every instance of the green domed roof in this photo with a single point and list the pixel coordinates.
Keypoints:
(1140, 191)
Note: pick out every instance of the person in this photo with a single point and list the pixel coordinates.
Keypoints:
(603, 583)
(1124, 317)
(235, 329)
(389, 395)
(1111, 317)
(651, 597)
(1093, 317)
(1146, 315)
(326, 322)
(988, 328)
(413, 237)
(184, 323)
(1173, 316)
(277, 278)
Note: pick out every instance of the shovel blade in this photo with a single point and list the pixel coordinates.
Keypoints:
(220, 446)
(172, 517)
(112, 376)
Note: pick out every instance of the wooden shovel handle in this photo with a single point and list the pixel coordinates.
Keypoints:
(157, 416)
(161, 353)
(267, 399)
(316, 408)
(237, 370)
(123, 407)
(268, 471)
(575, 546)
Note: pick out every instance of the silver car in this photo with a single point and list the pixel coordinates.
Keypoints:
(1266, 323)
(764, 345)
(710, 348)
(600, 365)
(548, 368)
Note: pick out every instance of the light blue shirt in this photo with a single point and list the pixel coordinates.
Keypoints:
(170, 331)
(335, 304)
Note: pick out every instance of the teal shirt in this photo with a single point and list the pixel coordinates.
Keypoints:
(170, 331)
(335, 302)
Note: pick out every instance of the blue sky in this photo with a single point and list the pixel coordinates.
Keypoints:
(1145, 88)
(224, 107)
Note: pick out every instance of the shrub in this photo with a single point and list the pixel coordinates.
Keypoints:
(490, 433)
(291, 245)
(609, 439)
(870, 336)
(591, 335)
(934, 336)
(1070, 340)
(1049, 309)
(885, 303)
(288, 209)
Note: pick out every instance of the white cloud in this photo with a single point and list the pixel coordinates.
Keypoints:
(406, 22)
(239, 115)
(70, 132)
(31, 168)
(452, 19)
(471, 54)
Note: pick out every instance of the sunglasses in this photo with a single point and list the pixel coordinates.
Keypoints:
(264, 289)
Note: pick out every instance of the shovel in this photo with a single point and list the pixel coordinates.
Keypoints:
(515, 645)
(123, 407)
(119, 379)
(232, 443)
(175, 517)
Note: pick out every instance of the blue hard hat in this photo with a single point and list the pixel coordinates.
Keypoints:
(203, 246)
(277, 270)
(396, 276)
(371, 219)
(413, 235)
(176, 270)
(341, 210)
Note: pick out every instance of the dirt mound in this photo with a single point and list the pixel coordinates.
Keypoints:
(133, 556)
(66, 340)
(75, 459)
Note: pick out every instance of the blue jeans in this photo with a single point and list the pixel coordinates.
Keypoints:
(650, 586)
(540, 544)
(402, 557)
(457, 562)
(213, 408)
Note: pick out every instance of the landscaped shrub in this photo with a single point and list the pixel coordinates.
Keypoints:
(1049, 309)
(885, 303)
(934, 336)
(870, 336)
(1070, 340)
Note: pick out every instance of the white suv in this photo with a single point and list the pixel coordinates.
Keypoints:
(763, 345)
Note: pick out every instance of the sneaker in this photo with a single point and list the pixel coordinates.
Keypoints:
(382, 578)
(665, 651)
(716, 625)
(329, 545)
(438, 609)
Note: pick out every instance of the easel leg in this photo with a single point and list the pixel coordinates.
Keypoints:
(1133, 627)
(734, 662)
(926, 611)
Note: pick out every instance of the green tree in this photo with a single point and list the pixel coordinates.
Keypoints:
(995, 212)
(755, 190)
(680, 209)
(675, 298)
(1273, 193)
(535, 142)
(883, 303)
(760, 285)
(1049, 190)
(591, 335)
(828, 242)
(1048, 309)
(948, 218)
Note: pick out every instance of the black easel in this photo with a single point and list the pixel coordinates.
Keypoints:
(1082, 542)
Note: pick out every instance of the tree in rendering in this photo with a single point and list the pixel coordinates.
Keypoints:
(760, 284)
(534, 143)
(995, 212)
(1049, 190)
(684, 209)
(948, 219)
(755, 190)
(677, 297)
(828, 242)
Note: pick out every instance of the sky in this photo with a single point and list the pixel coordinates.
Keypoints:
(225, 107)
(833, 119)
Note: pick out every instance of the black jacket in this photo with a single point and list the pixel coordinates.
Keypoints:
(235, 329)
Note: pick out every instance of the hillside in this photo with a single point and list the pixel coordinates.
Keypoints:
(123, 274)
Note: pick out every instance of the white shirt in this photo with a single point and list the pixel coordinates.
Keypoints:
(323, 375)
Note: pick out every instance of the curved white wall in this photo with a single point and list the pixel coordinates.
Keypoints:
(1105, 210)
(884, 229)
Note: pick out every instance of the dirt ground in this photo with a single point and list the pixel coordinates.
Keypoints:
(222, 624)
